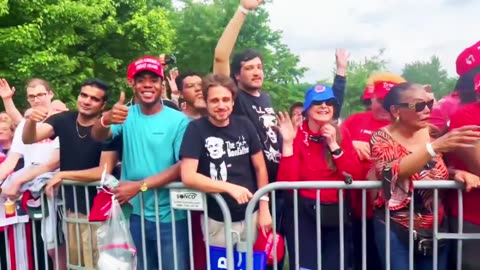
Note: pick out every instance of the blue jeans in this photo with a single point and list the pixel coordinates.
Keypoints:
(166, 245)
(399, 254)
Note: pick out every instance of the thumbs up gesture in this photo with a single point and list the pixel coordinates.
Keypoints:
(118, 113)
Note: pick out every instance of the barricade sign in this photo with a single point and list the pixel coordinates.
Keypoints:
(218, 259)
(187, 199)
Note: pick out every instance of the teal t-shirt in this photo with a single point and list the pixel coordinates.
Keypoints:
(151, 144)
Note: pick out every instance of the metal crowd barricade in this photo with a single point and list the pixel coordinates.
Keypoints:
(364, 186)
(79, 223)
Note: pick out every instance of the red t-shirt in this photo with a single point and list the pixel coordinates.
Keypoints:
(444, 109)
(468, 114)
(361, 126)
(308, 164)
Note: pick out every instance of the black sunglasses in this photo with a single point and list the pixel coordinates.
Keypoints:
(418, 106)
(328, 102)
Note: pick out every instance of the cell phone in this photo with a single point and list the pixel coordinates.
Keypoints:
(170, 59)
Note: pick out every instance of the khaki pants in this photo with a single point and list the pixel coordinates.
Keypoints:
(86, 246)
(216, 231)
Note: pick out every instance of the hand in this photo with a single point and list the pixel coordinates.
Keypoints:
(119, 112)
(126, 190)
(241, 194)
(363, 149)
(466, 136)
(469, 179)
(251, 4)
(171, 81)
(264, 220)
(38, 114)
(330, 134)
(285, 127)
(53, 184)
(341, 57)
(5, 91)
(11, 191)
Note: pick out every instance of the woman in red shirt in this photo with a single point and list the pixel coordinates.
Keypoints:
(318, 151)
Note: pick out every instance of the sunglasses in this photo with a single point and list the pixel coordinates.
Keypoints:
(328, 102)
(418, 106)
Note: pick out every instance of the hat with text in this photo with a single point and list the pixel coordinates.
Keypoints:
(477, 83)
(468, 59)
(319, 92)
(266, 243)
(368, 92)
(381, 88)
(146, 63)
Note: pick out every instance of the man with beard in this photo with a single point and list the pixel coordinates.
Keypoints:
(152, 135)
(79, 153)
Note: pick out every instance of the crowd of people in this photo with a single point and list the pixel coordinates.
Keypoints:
(219, 133)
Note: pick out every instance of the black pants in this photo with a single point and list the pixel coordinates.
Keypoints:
(307, 233)
(3, 251)
(373, 260)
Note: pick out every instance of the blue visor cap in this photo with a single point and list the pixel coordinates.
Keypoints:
(319, 92)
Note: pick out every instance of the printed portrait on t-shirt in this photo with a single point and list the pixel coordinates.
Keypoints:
(220, 151)
(268, 120)
(216, 151)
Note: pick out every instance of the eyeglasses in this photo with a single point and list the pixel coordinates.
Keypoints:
(39, 96)
(418, 106)
(328, 102)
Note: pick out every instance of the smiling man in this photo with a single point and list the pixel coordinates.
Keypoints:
(152, 135)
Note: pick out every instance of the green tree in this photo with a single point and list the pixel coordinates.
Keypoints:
(357, 75)
(70, 41)
(200, 25)
(430, 72)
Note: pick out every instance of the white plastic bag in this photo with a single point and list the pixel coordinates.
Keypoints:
(116, 248)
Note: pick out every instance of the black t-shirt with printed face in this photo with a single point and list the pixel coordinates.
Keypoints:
(260, 112)
(224, 154)
(78, 151)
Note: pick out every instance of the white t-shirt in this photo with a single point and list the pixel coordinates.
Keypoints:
(33, 154)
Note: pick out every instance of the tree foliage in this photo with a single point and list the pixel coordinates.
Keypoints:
(70, 41)
(430, 72)
(357, 75)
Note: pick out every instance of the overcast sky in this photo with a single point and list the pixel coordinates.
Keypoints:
(408, 29)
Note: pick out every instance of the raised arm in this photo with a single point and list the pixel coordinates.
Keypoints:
(340, 82)
(6, 92)
(226, 43)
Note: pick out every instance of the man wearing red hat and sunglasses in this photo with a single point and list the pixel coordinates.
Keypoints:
(467, 159)
(152, 135)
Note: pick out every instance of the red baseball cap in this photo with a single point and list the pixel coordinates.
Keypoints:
(477, 83)
(266, 244)
(146, 63)
(468, 59)
(368, 92)
(381, 88)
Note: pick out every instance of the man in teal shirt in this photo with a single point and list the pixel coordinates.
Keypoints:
(152, 135)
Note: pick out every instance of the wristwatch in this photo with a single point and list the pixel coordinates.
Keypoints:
(337, 152)
(143, 187)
